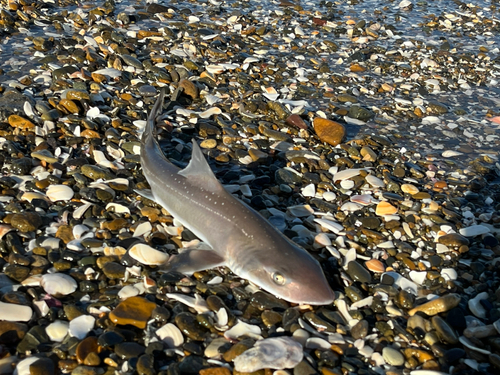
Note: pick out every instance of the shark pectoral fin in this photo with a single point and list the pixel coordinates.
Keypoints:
(199, 171)
(146, 193)
(191, 261)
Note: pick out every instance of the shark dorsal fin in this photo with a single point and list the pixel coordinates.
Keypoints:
(199, 170)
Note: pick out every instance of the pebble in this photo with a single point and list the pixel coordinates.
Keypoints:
(57, 330)
(438, 305)
(58, 284)
(81, 326)
(393, 357)
(15, 313)
(147, 255)
(135, 311)
(329, 131)
(26, 222)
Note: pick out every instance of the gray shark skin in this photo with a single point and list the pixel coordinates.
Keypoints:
(240, 237)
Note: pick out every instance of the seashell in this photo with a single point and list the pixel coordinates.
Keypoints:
(375, 265)
(215, 281)
(79, 230)
(309, 191)
(466, 342)
(347, 184)
(374, 181)
(330, 225)
(12, 312)
(404, 4)
(30, 195)
(197, 303)
(4, 229)
(317, 343)
(57, 330)
(346, 174)
(128, 291)
(385, 208)
(145, 254)
(222, 318)
(329, 196)
(243, 329)
(476, 307)
(210, 112)
(118, 208)
(322, 240)
(143, 229)
(59, 193)
(215, 69)
(351, 207)
(363, 199)
(58, 284)
(170, 335)
(80, 211)
(449, 273)
(451, 153)
(23, 367)
(418, 277)
(270, 93)
(409, 189)
(276, 353)
(81, 326)
(212, 99)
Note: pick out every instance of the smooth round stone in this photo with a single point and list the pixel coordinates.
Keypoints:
(134, 310)
(393, 356)
(17, 272)
(453, 355)
(109, 338)
(358, 273)
(147, 90)
(26, 221)
(15, 313)
(145, 365)
(444, 331)
(188, 324)
(114, 270)
(12, 332)
(370, 222)
(81, 326)
(360, 330)
(58, 284)
(42, 366)
(126, 350)
(453, 240)
(85, 348)
(266, 301)
(236, 350)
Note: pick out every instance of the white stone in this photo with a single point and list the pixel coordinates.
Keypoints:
(275, 353)
(128, 291)
(317, 343)
(418, 276)
(329, 196)
(12, 312)
(301, 336)
(81, 326)
(145, 254)
(171, 335)
(474, 230)
(57, 330)
(58, 284)
(393, 356)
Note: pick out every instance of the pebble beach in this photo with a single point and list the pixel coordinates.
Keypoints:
(366, 131)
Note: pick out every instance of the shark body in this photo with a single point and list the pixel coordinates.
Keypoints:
(240, 237)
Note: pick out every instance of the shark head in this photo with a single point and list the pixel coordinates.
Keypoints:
(297, 278)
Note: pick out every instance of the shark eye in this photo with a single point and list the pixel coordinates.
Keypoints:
(278, 278)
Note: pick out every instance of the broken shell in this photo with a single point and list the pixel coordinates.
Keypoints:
(170, 335)
(147, 255)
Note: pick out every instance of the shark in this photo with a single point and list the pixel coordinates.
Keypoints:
(239, 237)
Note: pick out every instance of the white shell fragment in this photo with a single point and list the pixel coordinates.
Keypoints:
(81, 326)
(12, 312)
(275, 353)
(57, 330)
(171, 335)
(145, 254)
(58, 284)
(60, 193)
(474, 230)
(243, 329)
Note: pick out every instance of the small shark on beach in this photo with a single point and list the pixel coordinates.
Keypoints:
(239, 236)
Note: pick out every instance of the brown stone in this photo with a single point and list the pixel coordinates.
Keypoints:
(190, 89)
(86, 347)
(65, 233)
(453, 239)
(87, 133)
(77, 95)
(257, 155)
(12, 332)
(356, 68)
(26, 221)
(296, 120)
(329, 131)
(69, 105)
(115, 224)
(151, 213)
(215, 371)
(21, 123)
(235, 351)
(134, 310)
